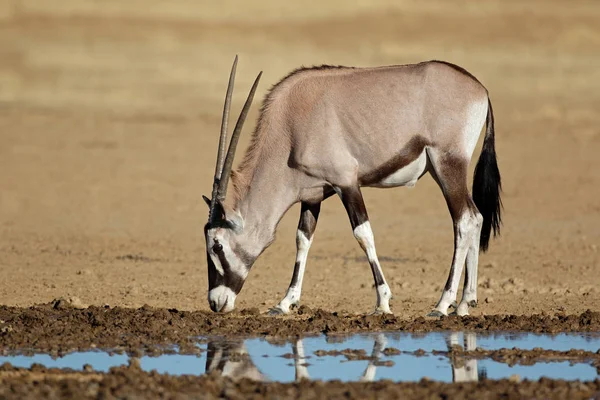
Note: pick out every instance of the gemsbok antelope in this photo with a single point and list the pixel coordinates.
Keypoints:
(332, 130)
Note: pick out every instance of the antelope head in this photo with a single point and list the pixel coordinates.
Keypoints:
(228, 262)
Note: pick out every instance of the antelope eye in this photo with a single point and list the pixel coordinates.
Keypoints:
(217, 247)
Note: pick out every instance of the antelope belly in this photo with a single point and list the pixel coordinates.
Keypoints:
(407, 175)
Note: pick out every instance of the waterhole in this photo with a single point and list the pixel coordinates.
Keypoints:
(439, 356)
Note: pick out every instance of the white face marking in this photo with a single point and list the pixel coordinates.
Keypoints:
(223, 297)
(217, 264)
(407, 175)
(236, 265)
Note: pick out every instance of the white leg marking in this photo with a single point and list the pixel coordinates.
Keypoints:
(223, 297)
(469, 297)
(292, 297)
(464, 370)
(466, 228)
(217, 264)
(378, 347)
(364, 235)
(300, 361)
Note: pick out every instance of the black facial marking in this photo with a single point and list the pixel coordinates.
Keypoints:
(231, 279)
(214, 278)
(246, 258)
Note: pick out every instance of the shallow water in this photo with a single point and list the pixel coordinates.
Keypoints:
(258, 359)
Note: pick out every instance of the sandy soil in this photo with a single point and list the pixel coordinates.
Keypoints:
(109, 118)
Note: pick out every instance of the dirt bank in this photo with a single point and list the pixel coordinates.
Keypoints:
(59, 328)
(131, 382)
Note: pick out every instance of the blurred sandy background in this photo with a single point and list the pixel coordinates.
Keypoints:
(109, 117)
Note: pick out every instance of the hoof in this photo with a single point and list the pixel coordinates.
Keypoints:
(462, 310)
(379, 311)
(276, 311)
(436, 314)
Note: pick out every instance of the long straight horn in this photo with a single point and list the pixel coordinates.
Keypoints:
(223, 138)
(235, 136)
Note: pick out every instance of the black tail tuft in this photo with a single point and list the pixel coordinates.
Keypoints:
(487, 185)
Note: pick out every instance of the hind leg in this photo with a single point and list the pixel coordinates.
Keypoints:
(469, 296)
(450, 172)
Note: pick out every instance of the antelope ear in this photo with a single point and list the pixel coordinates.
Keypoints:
(206, 200)
(232, 218)
(235, 221)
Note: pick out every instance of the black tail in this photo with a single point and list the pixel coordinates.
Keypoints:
(487, 185)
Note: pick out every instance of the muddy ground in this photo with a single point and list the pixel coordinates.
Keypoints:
(132, 383)
(109, 115)
(59, 329)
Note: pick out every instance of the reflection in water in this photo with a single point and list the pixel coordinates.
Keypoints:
(398, 356)
(378, 347)
(231, 359)
(464, 369)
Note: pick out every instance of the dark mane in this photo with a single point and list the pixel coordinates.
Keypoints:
(240, 177)
(268, 97)
(302, 69)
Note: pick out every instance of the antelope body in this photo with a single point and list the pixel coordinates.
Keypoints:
(332, 130)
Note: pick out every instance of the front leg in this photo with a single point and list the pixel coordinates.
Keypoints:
(309, 215)
(357, 212)
(378, 347)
